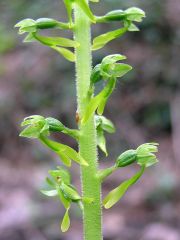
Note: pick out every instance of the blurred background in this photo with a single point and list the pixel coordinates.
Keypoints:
(145, 107)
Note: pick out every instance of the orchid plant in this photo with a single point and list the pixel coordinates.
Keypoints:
(91, 124)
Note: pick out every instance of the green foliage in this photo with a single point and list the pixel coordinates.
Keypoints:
(100, 41)
(115, 195)
(65, 152)
(49, 193)
(55, 41)
(108, 71)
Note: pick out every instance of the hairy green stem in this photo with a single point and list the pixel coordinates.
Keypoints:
(91, 185)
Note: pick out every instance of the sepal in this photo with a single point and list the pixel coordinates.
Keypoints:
(50, 193)
(134, 14)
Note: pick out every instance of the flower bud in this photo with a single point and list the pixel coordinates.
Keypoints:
(54, 124)
(126, 158)
(45, 23)
(116, 15)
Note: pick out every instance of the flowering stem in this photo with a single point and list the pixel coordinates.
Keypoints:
(91, 185)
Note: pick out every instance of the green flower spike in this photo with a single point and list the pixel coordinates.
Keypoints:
(65, 152)
(91, 128)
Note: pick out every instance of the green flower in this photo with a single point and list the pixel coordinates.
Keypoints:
(37, 125)
(144, 155)
(109, 68)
